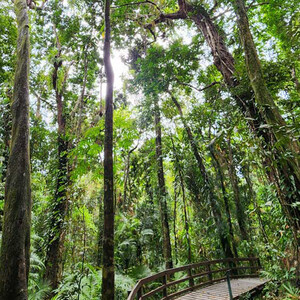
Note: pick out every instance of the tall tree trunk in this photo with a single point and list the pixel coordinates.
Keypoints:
(209, 189)
(82, 94)
(225, 197)
(108, 271)
(178, 168)
(38, 108)
(54, 255)
(15, 248)
(289, 165)
(186, 221)
(175, 223)
(127, 178)
(167, 250)
(257, 119)
(240, 209)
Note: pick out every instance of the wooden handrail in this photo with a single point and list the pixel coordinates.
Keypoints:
(140, 293)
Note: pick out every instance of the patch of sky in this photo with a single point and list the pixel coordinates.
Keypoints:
(283, 95)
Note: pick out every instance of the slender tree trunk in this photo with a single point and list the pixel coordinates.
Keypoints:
(82, 94)
(127, 178)
(167, 250)
(295, 79)
(240, 210)
(186, 221)
(38, 108)
(15, 248)
(174, 224)
(225, 197)
(186, 226)
(209, 189)
(256, 206)
(54, 255)
(108, 271)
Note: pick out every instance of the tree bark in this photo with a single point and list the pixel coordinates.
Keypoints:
(289, 162)
(82, 94)
(108, 272)
(54, 255)
(127, 178)
(167, 250)
(15, 249)
(174, 224)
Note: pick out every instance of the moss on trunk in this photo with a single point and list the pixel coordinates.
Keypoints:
(14, 259)
(286, 148)
(162, 194)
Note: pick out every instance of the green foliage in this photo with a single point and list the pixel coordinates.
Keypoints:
(8, 40)
(179, 62)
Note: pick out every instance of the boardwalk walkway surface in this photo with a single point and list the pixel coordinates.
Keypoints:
(219, 291)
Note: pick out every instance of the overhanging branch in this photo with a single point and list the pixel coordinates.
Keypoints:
(139, 3)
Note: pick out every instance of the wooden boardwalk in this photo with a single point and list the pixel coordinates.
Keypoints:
(205, 280)
(219, 291)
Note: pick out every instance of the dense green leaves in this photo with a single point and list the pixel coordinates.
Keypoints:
(170, 60)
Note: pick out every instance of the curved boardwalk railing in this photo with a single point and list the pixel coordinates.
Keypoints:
(172, 283)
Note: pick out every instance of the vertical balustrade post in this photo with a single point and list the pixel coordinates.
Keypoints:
(210, 276)
(232, 265)
(258, 266)
(229, 285)
(164, 281)
(191, 279)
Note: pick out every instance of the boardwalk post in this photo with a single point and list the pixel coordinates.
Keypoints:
(210, 277)
(258, 266)
(164, 281)
(229, 285)
(191, 279)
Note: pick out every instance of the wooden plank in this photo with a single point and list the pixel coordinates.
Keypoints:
(219, 291)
